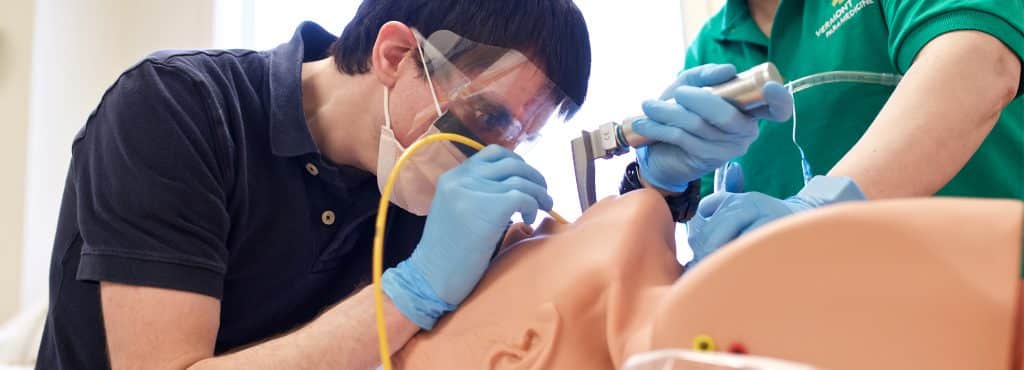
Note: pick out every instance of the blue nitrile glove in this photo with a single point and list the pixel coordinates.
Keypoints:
(724, 216)
(730, 181)
(700, 131)
(471, 209)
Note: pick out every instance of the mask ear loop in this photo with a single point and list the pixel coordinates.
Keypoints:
(387, 108)
(426, 71)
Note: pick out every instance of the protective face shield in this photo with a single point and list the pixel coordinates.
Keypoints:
(492, 95)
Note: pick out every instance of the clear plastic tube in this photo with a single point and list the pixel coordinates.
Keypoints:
(874, 78)
(807, 82)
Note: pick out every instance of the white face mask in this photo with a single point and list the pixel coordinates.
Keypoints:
(414, 188)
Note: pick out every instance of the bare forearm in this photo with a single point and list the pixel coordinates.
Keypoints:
(344, 337)
(946, 105)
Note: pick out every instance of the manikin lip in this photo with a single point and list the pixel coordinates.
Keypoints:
(519, 232)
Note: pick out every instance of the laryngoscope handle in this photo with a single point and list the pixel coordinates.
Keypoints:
(743, 91)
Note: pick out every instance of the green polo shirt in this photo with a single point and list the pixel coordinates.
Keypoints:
(859, 35)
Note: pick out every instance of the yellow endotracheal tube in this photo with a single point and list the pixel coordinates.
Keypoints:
(378, 237)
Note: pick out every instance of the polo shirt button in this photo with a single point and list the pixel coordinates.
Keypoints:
(327, 217)
(312, 169)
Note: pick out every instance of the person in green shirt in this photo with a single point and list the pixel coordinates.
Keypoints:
(954, 126)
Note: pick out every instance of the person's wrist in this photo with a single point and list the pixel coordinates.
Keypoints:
(825, 190)
(647, 185)
(682, 205)
(661, 187)
(649, 179)
(413, 295)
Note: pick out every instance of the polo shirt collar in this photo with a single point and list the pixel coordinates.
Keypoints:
(738, 25)
(289, 133)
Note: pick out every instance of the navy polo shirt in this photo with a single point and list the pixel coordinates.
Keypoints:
(197, 172)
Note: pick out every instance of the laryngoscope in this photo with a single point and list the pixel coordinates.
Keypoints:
(744, 91)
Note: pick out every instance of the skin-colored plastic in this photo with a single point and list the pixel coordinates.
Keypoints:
(567, 299)
(910, 284)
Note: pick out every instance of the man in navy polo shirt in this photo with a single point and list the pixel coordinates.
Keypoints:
(219, 208)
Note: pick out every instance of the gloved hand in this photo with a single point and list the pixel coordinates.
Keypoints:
(724, 216)
(731, 180)
(700, 131)
(471, 209)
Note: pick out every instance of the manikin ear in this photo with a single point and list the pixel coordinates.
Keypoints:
(394, 42)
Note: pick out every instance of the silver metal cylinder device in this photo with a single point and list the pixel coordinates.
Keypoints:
(744, 92)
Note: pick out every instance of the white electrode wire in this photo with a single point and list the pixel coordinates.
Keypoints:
(805, 166)
(807, 82)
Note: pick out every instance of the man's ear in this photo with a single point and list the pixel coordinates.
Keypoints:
(394, 41)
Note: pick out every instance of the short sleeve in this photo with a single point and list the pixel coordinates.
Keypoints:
(912, 24)
(692, 56)
(148, 176)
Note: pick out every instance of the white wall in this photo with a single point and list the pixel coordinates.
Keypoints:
(15, 57)
(695, 13)
(80, 48)
(637, 48)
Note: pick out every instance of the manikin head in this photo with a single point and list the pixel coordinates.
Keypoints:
(383, 36)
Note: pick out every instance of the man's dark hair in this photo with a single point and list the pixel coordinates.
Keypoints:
(552, 32)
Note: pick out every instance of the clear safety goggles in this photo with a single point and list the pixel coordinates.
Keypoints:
(491, 94)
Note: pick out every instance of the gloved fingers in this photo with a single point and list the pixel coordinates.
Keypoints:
(733, 180)
(492, 153)
(497, 208)
(703, 75)
(681, 138)
(779, 101)
(523, 203)
(671, 114)
(724, 227)
(715, 110)
(538, 192)
(714, 74)
(709, 206)
(666, 167)
(764, 112)
(509, 167)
